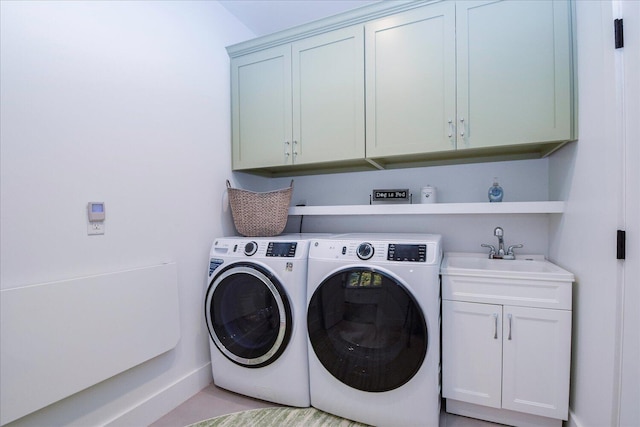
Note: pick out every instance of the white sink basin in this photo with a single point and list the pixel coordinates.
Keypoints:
(525, 267)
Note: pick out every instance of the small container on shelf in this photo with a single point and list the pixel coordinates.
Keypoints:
(495, 192)
(428, 194)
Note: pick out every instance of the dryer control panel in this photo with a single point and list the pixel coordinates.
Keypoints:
(426, 251)
(407, 252)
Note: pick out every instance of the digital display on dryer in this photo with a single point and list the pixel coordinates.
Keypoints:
(282, 249)
(412, 253)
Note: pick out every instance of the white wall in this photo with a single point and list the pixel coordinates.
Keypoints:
(126, 103)
(630, 298)
(588, 175)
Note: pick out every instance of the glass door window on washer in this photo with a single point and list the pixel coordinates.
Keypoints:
(248, 315)
(367, 330)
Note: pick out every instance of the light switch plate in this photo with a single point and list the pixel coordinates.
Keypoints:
(95, 228)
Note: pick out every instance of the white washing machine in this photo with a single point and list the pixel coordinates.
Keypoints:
(255, 309)
(373, 325)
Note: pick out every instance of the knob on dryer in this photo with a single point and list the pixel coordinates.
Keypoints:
(365, 250)
(250, 248)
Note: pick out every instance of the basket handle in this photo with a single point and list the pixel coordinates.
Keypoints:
(291, 184)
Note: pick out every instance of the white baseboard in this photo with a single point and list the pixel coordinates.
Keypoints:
(501, 416)
(165, 400)
(573, 421)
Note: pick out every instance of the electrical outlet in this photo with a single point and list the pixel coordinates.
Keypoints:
(95, 228)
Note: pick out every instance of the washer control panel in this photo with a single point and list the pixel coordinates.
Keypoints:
(274, 249)
(281, 249)
(259, 248)
(250, 248)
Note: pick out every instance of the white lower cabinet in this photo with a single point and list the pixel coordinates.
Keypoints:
(536, 355)
(515, 358)
(472, 353)
(506, 349)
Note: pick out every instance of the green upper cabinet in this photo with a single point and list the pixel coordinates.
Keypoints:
(300, 103)
(469, 75)
(514, 73)
(328, 97)
(411, 86)
(261, 108)
(444, 81)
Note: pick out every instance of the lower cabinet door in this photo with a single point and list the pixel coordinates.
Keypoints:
(472, 352)
(536, 360)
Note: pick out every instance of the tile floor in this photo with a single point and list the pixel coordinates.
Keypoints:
(213, 401)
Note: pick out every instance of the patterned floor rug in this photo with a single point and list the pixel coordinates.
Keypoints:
(279, 417)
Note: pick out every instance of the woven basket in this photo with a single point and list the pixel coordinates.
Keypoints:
(259, 214)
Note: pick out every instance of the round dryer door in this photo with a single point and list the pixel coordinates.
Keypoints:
(248, 315)
(367, 330)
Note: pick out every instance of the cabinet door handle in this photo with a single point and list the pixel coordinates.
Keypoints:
(509, 316)
(495, 326)
(295, 148)
(286, 150)
(450, 128)
(462, 127)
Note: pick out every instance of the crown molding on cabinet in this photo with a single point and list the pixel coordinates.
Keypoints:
(345, 19)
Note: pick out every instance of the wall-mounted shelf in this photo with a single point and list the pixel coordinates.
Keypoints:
(433, 209)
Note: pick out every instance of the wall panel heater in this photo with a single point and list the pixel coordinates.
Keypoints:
(59, 338)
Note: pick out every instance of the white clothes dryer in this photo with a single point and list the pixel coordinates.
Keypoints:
(255, 310)
(373, 325)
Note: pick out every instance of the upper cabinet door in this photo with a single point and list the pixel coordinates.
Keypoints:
(514, 72)
(410, 82)
(328, 97)
(261, 108)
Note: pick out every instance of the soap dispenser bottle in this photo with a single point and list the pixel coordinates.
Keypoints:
(495, 191)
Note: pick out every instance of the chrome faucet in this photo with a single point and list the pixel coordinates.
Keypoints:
(499, 233)
(500, 253)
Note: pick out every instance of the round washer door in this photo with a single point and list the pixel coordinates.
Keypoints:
(367, 330)
(248, 315)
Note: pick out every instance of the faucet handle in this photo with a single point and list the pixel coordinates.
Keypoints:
(492, 249)
(512, 247)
